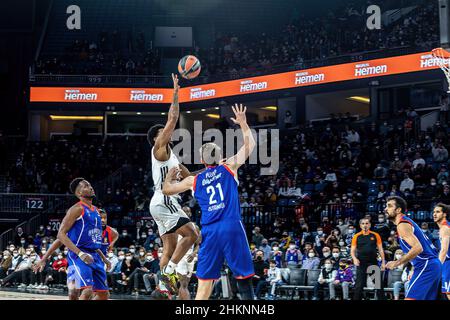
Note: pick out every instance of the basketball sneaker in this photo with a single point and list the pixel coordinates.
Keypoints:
(170, 281)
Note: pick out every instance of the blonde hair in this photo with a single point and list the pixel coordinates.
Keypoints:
(210, 153)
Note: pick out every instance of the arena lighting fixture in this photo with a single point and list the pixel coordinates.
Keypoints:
(203, 110)
(80, 118)
(365, 100)
(114, 112)
(138, 113)
(188, 111)
(163, 113)
(217, 108)
(270, 108)
(213, 116)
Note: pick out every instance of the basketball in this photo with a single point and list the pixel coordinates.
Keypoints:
(189, 67)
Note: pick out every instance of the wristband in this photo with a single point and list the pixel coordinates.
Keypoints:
(80, 253)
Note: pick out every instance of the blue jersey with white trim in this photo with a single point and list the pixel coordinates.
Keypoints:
(445, 224)
(429, 250)
(216, 191)
(86, 232)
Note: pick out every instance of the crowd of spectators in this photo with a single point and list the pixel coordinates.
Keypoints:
(305, 40)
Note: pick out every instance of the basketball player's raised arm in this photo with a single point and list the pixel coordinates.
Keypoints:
(184, 172)
(172, 118)
(171, 186)
(71, 216)
(445, 241)
(249, 142)
(405, 231)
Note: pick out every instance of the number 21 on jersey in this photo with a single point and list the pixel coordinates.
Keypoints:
(212, 190)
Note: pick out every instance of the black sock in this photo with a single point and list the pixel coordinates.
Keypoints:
(245, 288)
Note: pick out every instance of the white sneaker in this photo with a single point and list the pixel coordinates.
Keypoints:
(39, 286)
(22, 286)
(45, 287)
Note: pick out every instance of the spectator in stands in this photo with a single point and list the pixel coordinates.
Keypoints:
(404, 283)
(115, 273)
(257, 237)
(124, 240)
(60, 269)
(152, 275)
(380, 172)
(326, 254)
(128, 266)
(265, 248)
(20, 273)
(5, 264)
(273, 279)
(327, 276)
(293, 255)
(260, 265)
(312, 261)
(19, 236)
(145, 267)
(344, 279)
(382, 228)
(407, 183)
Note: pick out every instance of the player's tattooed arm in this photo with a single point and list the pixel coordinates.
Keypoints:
(71, 216)
(405, 231)
(174, 112)
(171, 186)
(249, 142)
(445, 241)
(39, 266)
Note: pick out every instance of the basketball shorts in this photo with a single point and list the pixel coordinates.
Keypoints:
(224, 241)
(166, 211)
(446, 276)
(81, 275)
(424, 283)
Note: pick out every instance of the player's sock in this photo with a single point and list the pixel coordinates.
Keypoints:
(245, 288)
(170, 268)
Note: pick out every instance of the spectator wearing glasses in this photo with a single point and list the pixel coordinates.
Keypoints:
(364, 249)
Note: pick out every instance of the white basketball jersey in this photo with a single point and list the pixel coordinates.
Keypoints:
(161, 168)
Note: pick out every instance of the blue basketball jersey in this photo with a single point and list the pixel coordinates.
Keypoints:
(216, 191)
(292, 256)
(86, 232)
(429, 250)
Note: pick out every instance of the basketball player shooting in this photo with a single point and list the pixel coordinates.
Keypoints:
(216, 191)
(172, 221)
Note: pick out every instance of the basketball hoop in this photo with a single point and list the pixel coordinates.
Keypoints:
(442, 57)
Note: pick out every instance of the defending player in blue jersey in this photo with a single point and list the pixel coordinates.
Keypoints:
(216, 191)
(418, 249)
(440, 217)
(109, 235)
(81, 233)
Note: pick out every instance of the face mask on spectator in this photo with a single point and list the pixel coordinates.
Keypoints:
(159, 255)
(141, 253)
(41, 228)
(143, 236)
(350, 231)
(33, 258)
(335, 255)
(320, 232)
(22, 241)
(381, 220)
(44, 241)
(110, 254)
(311, 255)
(15, 255)
(28, 252)
(398, 256)
(121, 257)
(340, 223)
(149, 258)
(11, 248)
(5, 257)
(128, 258)
(328, 266)
(326, 254)
(60, 256)
(275, 248)
(66, 252)
(132, 250)
(341, 243)
(124, 234)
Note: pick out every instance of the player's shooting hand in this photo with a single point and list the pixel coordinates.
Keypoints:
(86, 258)
(239, 113)
(176, 87)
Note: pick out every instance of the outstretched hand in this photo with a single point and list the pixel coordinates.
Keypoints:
(239, 113)
(176, 87)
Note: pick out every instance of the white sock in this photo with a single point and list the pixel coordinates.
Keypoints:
(170, 268)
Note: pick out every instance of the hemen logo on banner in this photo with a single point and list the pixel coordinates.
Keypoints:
(198, 93)
(248, 86)
(365, 69)
(428, 61)
(77, 95)
(305, 77)
(141, 95)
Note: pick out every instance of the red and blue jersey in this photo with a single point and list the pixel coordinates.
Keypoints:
(106, 239)
(429, 250)
(86, 232)
(445, 224)
(216, 191)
